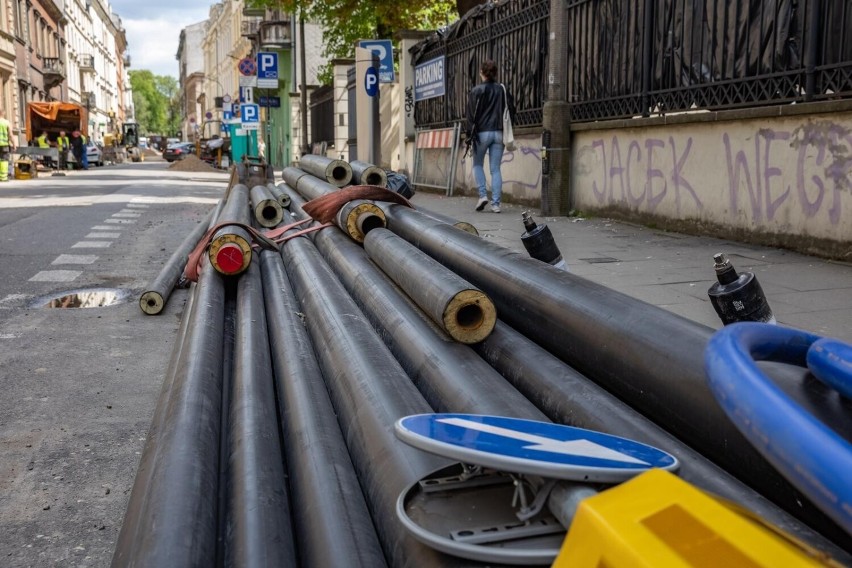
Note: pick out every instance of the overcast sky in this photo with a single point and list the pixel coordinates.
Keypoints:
(153, 30)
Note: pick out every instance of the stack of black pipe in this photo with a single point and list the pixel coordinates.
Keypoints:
(273, 443)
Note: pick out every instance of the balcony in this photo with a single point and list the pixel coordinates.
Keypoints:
(87, 63)
(250, 27)
(53, 71)
(127, 60)
(275, 35)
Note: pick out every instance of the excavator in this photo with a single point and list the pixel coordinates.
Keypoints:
(130, 141)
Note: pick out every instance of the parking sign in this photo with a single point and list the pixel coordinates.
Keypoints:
(267, 70)
(383, 48)
(250, 116)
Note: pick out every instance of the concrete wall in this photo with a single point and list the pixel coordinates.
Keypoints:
(776, 180)
(785, 176)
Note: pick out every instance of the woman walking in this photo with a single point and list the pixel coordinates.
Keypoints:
(485, 129)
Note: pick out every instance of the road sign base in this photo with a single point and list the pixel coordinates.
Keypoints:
(470, 515)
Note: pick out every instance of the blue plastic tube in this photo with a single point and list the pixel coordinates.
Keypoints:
(811, 456)
(830, 360)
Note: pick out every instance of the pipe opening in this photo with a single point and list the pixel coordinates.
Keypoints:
(374, 178)
(152, 303)
(470, 316)
(369, 222)
(269, 213)
(339, 173)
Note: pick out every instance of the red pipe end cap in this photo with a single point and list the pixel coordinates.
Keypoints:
(229, 258)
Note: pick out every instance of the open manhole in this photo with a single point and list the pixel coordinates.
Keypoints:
(99, 298)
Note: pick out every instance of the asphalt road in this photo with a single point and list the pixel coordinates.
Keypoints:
(78, 386)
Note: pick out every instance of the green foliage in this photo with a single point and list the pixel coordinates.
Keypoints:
(157, 104)
(346, 21)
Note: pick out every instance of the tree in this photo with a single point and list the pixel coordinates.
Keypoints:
(155, 98)
(346, 21)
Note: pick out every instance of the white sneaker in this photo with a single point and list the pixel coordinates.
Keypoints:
(480, 205)
(495, 208)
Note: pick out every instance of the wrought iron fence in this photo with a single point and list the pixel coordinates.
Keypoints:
(631, 58)
(514, 34)
(649, 57)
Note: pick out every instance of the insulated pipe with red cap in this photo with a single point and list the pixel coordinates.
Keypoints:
(230, 248)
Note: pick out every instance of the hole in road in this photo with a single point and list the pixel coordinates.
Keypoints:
(99, 298)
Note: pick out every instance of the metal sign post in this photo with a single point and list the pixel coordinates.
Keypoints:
(369, 147)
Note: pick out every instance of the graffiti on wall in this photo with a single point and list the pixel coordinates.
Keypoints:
(758, 175)
(518, 169)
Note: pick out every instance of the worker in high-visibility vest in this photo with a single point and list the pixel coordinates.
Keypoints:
(63, 144)
(43, 142)
(7, 146)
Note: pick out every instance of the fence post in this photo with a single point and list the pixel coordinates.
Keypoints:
(811, 48)
(647, 54)
(555, 195)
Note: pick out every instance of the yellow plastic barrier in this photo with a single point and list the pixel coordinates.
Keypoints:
(657, 520)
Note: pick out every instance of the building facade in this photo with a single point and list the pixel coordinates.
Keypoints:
(190, 58)
(8, 75)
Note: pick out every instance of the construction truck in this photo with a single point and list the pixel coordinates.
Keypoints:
(51, 117)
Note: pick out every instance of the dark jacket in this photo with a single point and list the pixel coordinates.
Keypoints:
(485, 108)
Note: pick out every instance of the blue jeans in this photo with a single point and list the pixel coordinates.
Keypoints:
(492, 142)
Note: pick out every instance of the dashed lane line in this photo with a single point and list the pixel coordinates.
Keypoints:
(120, 221)
(91, 244)
(102, 236)
(56, 276)
(75, 259)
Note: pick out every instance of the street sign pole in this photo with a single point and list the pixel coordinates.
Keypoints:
(368, 148)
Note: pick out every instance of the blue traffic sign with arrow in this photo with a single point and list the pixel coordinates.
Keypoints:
(536, 448)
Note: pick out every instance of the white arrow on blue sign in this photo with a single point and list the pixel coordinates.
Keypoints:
(535, 448)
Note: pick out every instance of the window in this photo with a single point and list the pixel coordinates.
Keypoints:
(20, 18)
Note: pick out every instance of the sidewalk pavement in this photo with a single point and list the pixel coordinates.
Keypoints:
(672, 270)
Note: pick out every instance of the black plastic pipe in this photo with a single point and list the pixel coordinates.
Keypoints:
(279, 195)
(130, 528)
(356, 217)
(316, 454)
(568, 397)
(365, 173)
(335, 172)
(464, 312)
(171, 518)
(259, 532)
(463, 225)
(451, 377)
(266, 208)
(648, 357)
(230, 248)
(369, 391)
(153, 299)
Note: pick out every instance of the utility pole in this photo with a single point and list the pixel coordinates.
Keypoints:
(303, 88)
(555, 195)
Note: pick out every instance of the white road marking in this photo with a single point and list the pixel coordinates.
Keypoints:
(75, 259)
(15, 298)
(102, 236)
(91, 244)
(120, 221)
(127, 215)
(56, 276)
(138, 205)
(103, 228)
(134, 211)
(8, 336)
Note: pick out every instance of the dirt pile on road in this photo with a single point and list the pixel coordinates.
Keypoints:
(192, 164)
